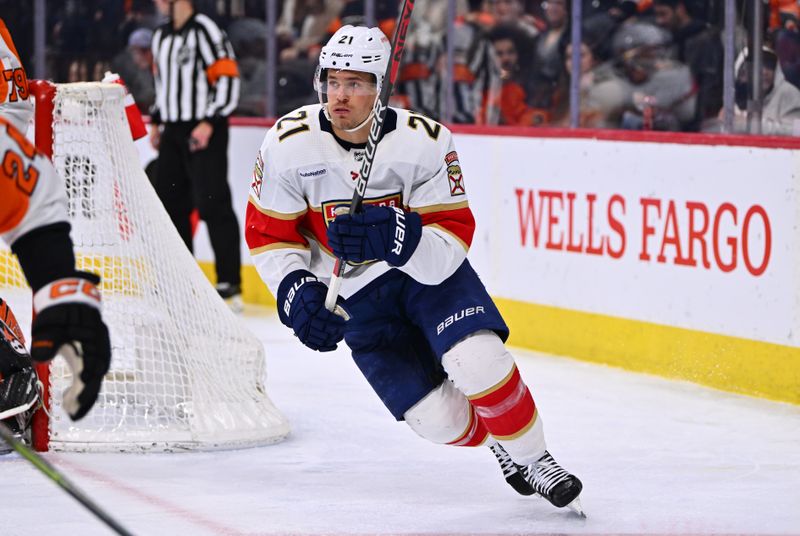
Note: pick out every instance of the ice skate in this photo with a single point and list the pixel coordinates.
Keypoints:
(554, 483)
(512, 472)
(232, 295)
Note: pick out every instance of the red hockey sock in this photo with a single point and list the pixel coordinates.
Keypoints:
(475, 434)
(507, 409)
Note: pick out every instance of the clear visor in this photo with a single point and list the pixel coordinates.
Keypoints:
(348, 87)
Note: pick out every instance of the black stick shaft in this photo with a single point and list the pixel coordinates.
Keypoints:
(379, 112)
(56, 476)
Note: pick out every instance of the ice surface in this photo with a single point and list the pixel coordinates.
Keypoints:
(655, 457)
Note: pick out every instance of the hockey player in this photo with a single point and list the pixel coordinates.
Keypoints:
(422, 328)
(15, 102)
(33, 214)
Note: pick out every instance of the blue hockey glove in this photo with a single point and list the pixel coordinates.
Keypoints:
(378, 233)
(301, 306)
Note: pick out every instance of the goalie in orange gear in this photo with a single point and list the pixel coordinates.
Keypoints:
(18, 381)
(33, 220)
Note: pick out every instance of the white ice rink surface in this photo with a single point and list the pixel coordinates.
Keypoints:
(655, 457)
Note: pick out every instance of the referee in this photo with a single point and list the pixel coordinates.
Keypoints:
(197, 88)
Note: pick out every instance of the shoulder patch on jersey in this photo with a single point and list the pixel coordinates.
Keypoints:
(454, 174)
(258, 175)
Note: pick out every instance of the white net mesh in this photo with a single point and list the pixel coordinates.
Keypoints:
(185, 374)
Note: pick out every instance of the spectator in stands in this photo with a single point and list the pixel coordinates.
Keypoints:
(69, 43)
(698, 45)
(477, 83)
(780, 113)
(138, 14)
(604, 94)
(784, 14)
(548, 61)
(476, 72)
(662, 95)
(417, 83)
(787, 47)
(512, 13)
(135, 67)
(103, 40)
(507, 40)
(304, 25)
(385, 15)
(247, 39)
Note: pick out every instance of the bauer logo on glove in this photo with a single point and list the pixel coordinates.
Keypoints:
(378, 233)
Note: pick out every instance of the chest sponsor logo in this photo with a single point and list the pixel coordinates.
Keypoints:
(312, 172)
(329, 208)
(454, 176)
(258, 175)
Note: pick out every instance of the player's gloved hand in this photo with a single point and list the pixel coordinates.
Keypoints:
(383, 233)
(68, 323)
(301, 306)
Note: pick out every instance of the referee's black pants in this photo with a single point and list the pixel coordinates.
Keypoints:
(186, 180)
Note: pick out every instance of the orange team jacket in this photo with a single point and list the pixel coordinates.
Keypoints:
(31, 193)
(303, 173)
(15, 102)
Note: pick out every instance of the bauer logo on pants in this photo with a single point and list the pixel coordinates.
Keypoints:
(461, 315)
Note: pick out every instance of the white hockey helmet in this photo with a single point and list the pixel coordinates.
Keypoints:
(354, 48)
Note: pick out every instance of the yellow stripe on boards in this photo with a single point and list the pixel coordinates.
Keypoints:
(728, 363)
(253, 288)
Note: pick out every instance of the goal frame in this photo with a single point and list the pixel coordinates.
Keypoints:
(190, 376)
(43, 93)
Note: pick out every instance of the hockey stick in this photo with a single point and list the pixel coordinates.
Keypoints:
(379, 111)
(54, 475)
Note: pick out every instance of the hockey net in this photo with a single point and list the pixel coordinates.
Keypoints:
(185, 374)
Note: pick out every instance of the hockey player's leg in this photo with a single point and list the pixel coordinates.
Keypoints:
(481, 367)
(445, 416)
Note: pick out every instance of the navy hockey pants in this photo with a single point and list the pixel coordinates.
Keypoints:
(401, 328)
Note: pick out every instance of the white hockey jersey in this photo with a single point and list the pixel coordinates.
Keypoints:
(31, 193)
(15, 102)
(303, 172)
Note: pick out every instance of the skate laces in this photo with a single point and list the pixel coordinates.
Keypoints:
(545, 474)
(507, 465)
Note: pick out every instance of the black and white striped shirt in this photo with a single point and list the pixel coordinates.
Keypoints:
(196, 75)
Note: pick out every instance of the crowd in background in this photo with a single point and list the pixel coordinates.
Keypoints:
(646, 64)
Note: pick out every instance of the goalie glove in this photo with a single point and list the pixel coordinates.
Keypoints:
(301, 306)
(68, 323)
(378, 233)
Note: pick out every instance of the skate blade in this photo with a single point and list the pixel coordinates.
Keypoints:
(576, 507)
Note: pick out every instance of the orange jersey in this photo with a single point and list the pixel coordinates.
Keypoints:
(15, 102)
(31, 193)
